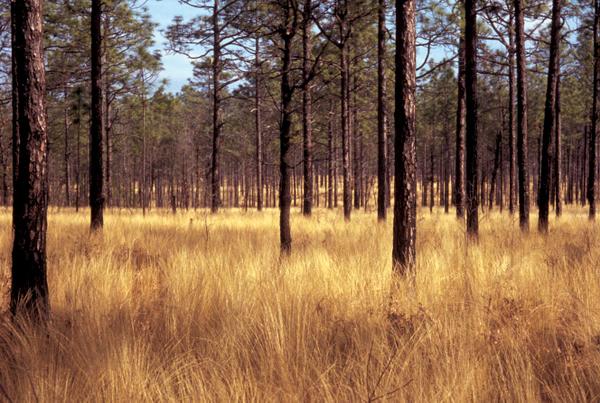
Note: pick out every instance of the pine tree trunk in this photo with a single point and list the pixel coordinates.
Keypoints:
(258, 124)
(29, 286)
(549, 117)
(591, 185)
(459, 173)
(107, 112)
(512, 141)
(522, 147)
(471, 116)
(381, 114)
(558, 176)
(66, 153)
(307, 109)
(285, 130)
(496, 167)
(96, 121)
(345, 124)
(330, 159)
(216, 112)
(405, 197)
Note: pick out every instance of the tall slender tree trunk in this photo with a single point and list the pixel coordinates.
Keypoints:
(287, 35)
(78, 156)
(591, 185)
(258, 124)
(330, 159)
(405, 186)
(14, 95)
(347, 186)
(459, 172)
(522, 146)
(29, 285)
(549, 117)
(307, 144)
(143, 163)
(496, 167)
(558, 176)
(216, 112)
(107, 111)
(512, 141)
(381, 114)
(67, 153)
(471, 116)
(96, 126)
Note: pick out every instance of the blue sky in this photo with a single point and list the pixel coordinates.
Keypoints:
(177, 68)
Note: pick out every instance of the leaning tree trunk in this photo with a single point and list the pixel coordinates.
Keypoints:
(29, 286)
(471, 116)
(96, 121)
(522, 147)
(381, 114)
(405, 186)
(549, 118)
(591, 186)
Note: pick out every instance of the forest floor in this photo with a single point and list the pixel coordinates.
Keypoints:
(195, 307)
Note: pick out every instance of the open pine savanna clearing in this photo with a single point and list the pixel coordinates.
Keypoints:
(196, 307)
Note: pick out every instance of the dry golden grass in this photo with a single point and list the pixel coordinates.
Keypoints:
(200, 308)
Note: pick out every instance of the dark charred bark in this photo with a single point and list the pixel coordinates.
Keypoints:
(29, 286)
(471, 116)
(96, 121)
(405, 197)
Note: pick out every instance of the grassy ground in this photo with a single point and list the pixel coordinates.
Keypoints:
(198, 307)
